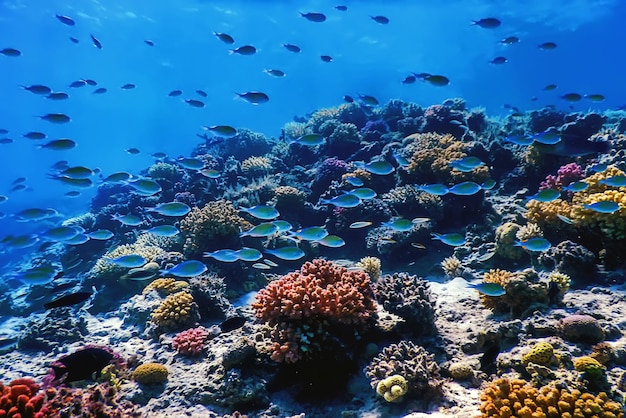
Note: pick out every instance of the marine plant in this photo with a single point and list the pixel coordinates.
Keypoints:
(311, 309)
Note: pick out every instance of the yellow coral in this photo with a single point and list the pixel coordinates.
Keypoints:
(256, 166)
(451, 266)
(393, 388)
(150, 373)
(517, 398)
(505, 241)
(288, 196)
(371, 265)
(500, 277)
(432, 155)
(166, 285)
(541, 353)
(590, 367)
(175, 311)
(562, 280)
(216, 223)
(461, 370)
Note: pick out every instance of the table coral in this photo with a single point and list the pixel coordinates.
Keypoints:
(505, 398)
(416, 365)
(20, 399)
(176, 311)
(306, 306)
(216, 225)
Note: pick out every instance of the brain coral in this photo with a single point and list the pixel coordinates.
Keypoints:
(431, 157)
(581, 328)
(216, 225)
(541, 353)
(322, 297)
(410, 361)
(504, 398)
(150, 373)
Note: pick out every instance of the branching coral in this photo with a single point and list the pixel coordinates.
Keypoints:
(190, 342)
(256, 166)
(409, 201)
(504, 398)
(522, 291)
(431, 157)
(98, 400)
(409, 297)
(288, 197)
(217, 224)
(416, 365)
(370, 265)
(307, 306)
(451, 266)
(104, 269)
(20, 398)
(176, 311)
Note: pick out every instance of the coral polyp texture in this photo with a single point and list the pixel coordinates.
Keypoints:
(20, 398)
(507, 398)
(190, 342)
(176, 311)
(393, 388)
(306, 306)
(150, 374)
(217, 223)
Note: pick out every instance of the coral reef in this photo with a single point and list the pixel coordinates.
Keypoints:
(305, 306)
(216, 225)
(409, 297)
(370, 265)
(190, 342)
(176, 311)
(541, 353)
(20, 398)
(410, 361)
(150, 374)
(517, 398)
(166, 286)
(581, 328)
(393, 388)
(523, 290)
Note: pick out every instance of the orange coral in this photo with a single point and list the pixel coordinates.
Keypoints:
(20, 399)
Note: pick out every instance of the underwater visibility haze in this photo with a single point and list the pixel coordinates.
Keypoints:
(280, 208)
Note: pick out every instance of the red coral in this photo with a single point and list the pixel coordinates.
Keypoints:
(320, 296)
(20, 399)
(190, 342)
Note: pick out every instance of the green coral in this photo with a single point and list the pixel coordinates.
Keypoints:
(393, 388)
(591, 368)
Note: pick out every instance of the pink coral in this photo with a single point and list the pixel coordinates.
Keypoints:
(319, 297)
(190, 342)
(20, 399)
(565, 175)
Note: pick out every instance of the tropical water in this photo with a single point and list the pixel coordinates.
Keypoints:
(141, 53)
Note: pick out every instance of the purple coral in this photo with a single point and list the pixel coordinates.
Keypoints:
(374, 129)
(565, 175)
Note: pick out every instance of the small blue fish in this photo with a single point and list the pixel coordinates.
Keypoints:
(101, 234)
(466, 188)
(145, 187)
(21, 241)
(226, 256)
(309, 140)
(606, 206)
(311, 233)
(435, 189)
(262, 230)
(289, 253)
(354, 181)
(262, 212)
(614, 181)
(453, 239)
(565, 219)
(598, 168)
(488, 184)
(488, 289)
(399, 224)
(249, 254)
(534, 244)
(209, 172)
(381, 167)
(261, 266)
(171, 209)
(467, 164)
(360, 224)
(163, 231)
(577, 186)
(283, 226)
(522, 140)
(77, 240)
(364, 193)
(190, 268)
(332, 241)
(36, 275)
(402, 161)
(129, 220)
(549, 137)
(128, 261)
(545, 195)
(116, 178)
(60, 233)
(347, 200)
(191, 163)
